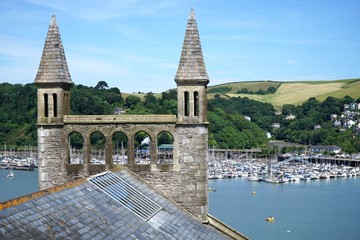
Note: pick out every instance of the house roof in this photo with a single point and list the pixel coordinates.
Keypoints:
(81, 210)
(166, 146)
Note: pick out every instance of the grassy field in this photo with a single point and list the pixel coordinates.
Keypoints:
(251, 86)
(287, 92)
(295, 92)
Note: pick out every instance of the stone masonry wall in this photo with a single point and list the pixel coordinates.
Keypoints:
(184, 181)
(187, 186)
(50, 155)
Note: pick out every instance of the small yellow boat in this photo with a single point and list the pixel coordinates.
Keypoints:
(270, 219)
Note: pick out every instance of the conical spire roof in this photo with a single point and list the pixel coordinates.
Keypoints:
(191, 65)
(53, 67)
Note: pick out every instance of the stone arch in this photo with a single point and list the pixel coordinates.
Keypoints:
(97, 148)
(76, 146)
(165, 146)
(142, 147)
(120, 148)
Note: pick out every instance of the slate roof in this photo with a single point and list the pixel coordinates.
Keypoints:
(191, 66)
(80, 210)
(53, 66)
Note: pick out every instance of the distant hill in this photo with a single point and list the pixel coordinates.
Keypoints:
(289, 92)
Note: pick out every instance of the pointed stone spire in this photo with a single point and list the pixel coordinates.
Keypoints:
(53, 67)
(191, 65)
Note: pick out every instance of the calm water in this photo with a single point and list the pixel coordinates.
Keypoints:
(319, 209)
(23, 182)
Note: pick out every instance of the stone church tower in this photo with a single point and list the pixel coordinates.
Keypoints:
(184, 179)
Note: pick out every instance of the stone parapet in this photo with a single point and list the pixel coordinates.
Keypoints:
(99, 119)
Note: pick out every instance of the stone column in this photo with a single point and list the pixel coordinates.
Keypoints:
(108, 152)
(86, 155)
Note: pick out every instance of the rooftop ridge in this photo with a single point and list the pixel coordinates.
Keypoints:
(53, 66)
(191, 65)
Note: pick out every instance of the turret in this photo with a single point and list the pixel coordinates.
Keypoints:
(53, 82)
(192, 126)
(53, 79)
(191, 78)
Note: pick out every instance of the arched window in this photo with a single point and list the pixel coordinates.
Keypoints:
(97, 148)
(142, 148)
(76, 144)
(196, 104)
(186, 103)
(119, 148)
(46, 105)
(55, 104)
(165, 145)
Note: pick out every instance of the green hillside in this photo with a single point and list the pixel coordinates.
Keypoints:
(290, 92)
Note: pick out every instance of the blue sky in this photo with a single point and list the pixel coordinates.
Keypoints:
(135, 45)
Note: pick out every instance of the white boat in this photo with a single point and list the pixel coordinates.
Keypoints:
(10, 174)
(271, 180)
(253, 177)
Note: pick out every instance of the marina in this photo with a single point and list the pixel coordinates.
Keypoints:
(278, 169)
(290, 169)
(18, 162)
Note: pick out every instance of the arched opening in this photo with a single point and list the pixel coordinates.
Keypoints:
(119, 148)
(142, 147)
(76, 144)
(165, 144)
(46, 105)
(55, 104)
(186, 104)
(196, 104)
(97, 148)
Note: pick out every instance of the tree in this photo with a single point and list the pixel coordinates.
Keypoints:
(152, 103)
(102, 85)
(131, 101)
(288, 109)
(165, 138)
(271, 90)
(244, 90)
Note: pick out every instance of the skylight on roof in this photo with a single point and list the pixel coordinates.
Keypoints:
(126, 195)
